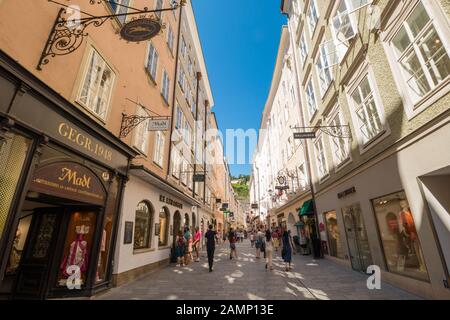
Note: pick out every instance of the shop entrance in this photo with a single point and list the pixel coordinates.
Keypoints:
(51, 250)
(358, 243)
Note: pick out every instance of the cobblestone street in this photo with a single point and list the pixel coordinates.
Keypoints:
(246, 278)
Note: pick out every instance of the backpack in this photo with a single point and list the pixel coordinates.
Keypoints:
(181, 241)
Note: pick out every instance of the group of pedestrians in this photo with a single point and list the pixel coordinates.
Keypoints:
(187, 244)
(266, 241)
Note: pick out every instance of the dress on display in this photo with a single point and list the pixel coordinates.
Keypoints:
(78, 255)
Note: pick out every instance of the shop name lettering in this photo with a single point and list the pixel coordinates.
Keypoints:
(170, 201)
(72, 177)
(83, 141)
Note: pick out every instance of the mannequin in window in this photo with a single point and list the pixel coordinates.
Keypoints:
(78, 251)
(408, 227)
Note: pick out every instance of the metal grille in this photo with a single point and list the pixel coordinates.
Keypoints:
(12, 157)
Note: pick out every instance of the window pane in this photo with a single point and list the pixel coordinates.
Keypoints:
(142, 226)
(401, 41)
(417, 79)
(399, 237)
(418, 19)
(435, 56)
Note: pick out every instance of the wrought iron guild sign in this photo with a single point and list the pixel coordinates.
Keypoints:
(67, 35)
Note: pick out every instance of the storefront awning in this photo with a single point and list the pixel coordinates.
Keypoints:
(307, 208)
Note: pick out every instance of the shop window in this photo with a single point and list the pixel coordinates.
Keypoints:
(13, 153)
(107, 232)
(397, 229)
(143, 226)
(333, 234)
(96, 88)
(421, 53)
(18, 244)
(78, 246)
(164, 218)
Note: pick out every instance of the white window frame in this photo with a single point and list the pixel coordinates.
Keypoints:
(152, 66)
(304, 49)
(323, 67)
(342, 46)
(165, 87)
(322, 175)
(311, 112)
(362, 72)
(312, 3)
(158, 154)
(414, 107)
(176, 157)
(335, 141)
(103, 64)
(141, 133)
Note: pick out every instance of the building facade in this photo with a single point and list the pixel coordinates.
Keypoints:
(374, 78)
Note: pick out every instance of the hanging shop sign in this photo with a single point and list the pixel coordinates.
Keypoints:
(304, 135)
(347, 192)
(69, 180)
(170, 201)
(199, 177)
(158, 125)
(140, 30)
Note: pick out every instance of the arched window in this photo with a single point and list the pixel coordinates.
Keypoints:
(143, 226)
(164, 217)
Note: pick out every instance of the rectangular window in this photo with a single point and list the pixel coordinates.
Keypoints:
(397, 229)
(119, 7)
(343, 27)
(320, 158)
(180, 116)
(170, 38)
(324, 70)
(333, 234)
(159, 6)
(303, 48)
(340, 145)
(158, 155)
(420, 53)
(141, 132)
(152, 61)
(311, 98)
(182, 79)
(313, 16)
(183, 47)
(367, 111)
(176, 163)
(165, 86)
(302, 176)
(96, 88)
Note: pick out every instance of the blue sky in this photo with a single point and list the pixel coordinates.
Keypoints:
(240, 42)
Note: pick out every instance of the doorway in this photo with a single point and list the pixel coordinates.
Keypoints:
(52, 243)
(358, 243)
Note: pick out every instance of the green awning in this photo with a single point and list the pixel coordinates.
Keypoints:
(307, 208)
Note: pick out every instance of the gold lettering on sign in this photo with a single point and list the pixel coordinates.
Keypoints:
(72, 177)
(83, 141)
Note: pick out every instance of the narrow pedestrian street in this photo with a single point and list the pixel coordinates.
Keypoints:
(246, 278)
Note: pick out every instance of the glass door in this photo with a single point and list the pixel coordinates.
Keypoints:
(358, 243)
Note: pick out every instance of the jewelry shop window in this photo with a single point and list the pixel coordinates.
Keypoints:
(334, 237)
(163, 226)
(143, 226)
(402, 249)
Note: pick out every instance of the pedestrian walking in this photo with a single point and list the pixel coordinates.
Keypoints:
(287, 249)
(275, 240)
(252, 239)
(232, 237)
(258, 243)
(188, 245)
(196, 244)
(210, 246)
(269, 250)
(180, 249)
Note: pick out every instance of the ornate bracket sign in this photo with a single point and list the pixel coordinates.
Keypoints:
(341, 131)
(67, 35)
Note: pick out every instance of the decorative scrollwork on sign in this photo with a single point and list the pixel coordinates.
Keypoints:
(343, 132)
(67, 35)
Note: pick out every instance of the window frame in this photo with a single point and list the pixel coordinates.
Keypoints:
(147, 62)
(326, 175)
(165, 87)
(159, 147)
(338, 163)
(150, 226)
(140, 111)
(316, 109)
(440, 22)
(308, 17)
